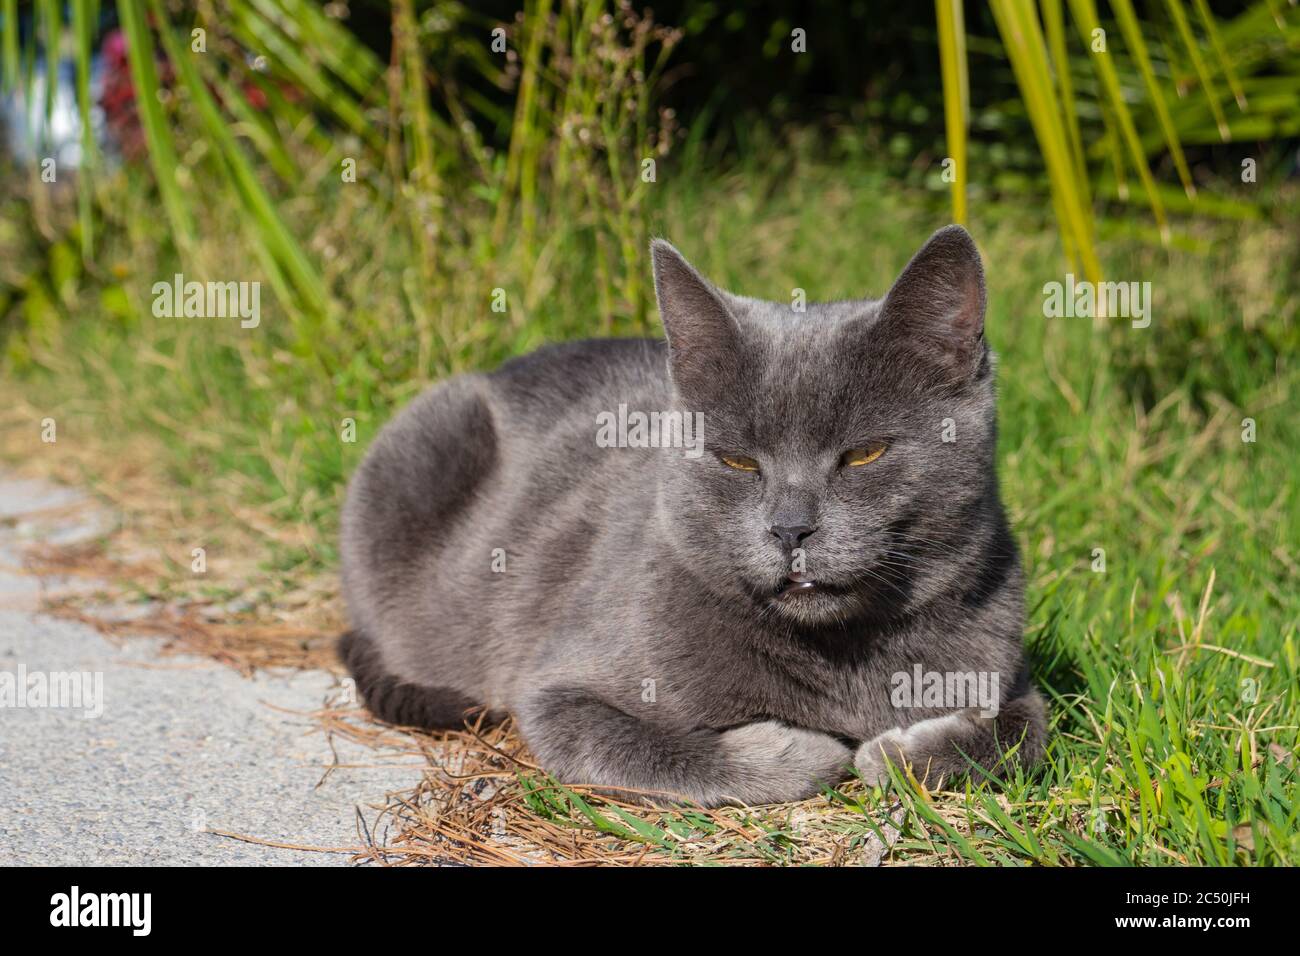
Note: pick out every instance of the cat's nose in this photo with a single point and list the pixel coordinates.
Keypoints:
(791, 536)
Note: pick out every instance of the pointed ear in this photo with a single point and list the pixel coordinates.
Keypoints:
(937, 303)
(703, 338)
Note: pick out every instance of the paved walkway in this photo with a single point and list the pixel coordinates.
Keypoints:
(171, 747)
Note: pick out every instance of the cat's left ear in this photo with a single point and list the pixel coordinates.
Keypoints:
(937, 302)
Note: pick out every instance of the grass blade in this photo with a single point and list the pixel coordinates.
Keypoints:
(162, 154)
(1085, 15)
(52, 33)
(83, 28)
(273, 236)
(414, 101)
(1128, 25)
(415, 96)
(258, 33)
(1225, 62)
(337, 47)
(524, 152)
(1179, 17)
(1115, 151)
(256, 124)
(956, 106)
(10, 46)
(1054, 22)
(1024, 43)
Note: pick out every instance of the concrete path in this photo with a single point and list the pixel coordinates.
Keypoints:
(170, 748)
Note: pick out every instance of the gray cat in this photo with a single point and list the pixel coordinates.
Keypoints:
(834, 570)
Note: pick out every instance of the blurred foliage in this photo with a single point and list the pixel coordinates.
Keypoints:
(389, 168)
(452, 111)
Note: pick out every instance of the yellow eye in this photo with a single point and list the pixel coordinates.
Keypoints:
(739, 462)
(857, 457)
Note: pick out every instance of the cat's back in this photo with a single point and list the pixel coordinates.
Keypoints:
(547, 407)
(477, 463)
(479, 452)
(588, 375)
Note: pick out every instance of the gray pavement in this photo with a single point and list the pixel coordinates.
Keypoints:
(171, 748)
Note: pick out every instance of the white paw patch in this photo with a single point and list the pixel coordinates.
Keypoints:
(918, 738)
(932, 728)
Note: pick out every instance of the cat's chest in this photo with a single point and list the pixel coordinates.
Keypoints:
(845, 698)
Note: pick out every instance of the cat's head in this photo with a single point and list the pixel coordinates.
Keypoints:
(848, 445)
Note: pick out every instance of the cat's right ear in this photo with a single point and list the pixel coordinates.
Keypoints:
(936, 305)
(703, 338)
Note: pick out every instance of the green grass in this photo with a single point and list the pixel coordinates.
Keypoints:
(1172, 674)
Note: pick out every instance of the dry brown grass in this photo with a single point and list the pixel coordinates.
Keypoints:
(483, 801)
(233, 613)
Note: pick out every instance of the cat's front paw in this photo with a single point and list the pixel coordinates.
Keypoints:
(776, 763)
(870, 758)
(927, 745)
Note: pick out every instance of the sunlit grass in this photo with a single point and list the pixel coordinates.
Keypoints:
(1171, 669)
(1172, 673)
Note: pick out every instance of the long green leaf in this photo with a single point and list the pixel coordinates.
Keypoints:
(162, 156)
(1054, 22)
(257, 125)
(956, 106)
(1085, 15)
(524, 138)
(273, 236)
(1198, 64)
(257, 33)
(1024, 42)
(83, 28)
(335, 46)
(10, 46)
(1137, 46)
(1075, 196)
(1113, 145)
(415, 96)
(1225, 62)
(52, 32)
(1277, 15)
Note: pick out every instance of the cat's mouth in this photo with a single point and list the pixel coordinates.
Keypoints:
(799, 584)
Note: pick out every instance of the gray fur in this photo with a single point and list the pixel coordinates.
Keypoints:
(629, 565)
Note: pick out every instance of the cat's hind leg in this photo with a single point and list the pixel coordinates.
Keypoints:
(583, 740)
(402, 702)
